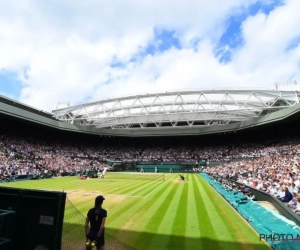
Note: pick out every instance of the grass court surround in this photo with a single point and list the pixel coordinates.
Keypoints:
(136, 176)
(151, 215)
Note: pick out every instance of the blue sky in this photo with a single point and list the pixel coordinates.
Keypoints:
(232, 37)
(10, 86)
(163, 40)
(91, 54)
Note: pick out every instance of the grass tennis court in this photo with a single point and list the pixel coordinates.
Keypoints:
(149, 213)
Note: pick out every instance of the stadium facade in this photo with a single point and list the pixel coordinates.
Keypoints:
(167, 114)
(213, 113)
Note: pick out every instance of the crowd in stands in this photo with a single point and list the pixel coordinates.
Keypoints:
(41, 155)
(276, 171)
(268, 164)
(38, 153)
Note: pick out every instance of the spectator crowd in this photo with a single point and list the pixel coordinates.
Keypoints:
(273, 168)
(268, 164)
(36, 152)
(41, 153)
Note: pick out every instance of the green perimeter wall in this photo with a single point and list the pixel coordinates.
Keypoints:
(110, 163)
(160, 168)
(38, 218)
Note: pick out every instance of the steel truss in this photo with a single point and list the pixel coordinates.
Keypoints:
(172, 109)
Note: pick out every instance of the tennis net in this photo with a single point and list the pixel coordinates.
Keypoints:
(136, 176)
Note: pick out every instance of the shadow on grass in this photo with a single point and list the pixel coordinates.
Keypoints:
(73, 239)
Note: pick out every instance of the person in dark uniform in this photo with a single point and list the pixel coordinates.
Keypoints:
(96, 218)
(182, 177)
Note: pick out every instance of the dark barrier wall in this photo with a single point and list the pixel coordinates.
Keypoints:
(165, 168)
(281, 207)
(39, 217)
(160, 168)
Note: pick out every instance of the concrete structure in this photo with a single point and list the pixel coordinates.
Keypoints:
(178, 109)
(166, 114)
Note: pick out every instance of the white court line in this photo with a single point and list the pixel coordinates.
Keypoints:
(106, 194)
(154, 189)
(141, 188)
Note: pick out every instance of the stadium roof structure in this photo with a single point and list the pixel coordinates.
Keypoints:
(195, 108)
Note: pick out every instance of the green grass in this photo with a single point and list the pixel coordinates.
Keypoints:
(149, 214)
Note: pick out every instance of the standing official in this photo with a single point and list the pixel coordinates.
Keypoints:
(96, 218)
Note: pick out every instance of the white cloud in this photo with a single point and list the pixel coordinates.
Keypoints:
(266, 40)
(67, 47)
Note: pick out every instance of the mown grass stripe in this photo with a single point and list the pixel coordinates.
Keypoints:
(212, 204)
(192, 234)
(64, 184)
(206, 227)
(123, 187)
(114, 208)
(50, 184)
(134, 206)
(84, 205)
(146, 192)
(129, 188)
(177, 239)
(141, 213)
(167, 221)
(124, 206)
(148, 223)
(143, 192)
(140, 188)
(158, 210)
(242, 234)
(107, 187)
